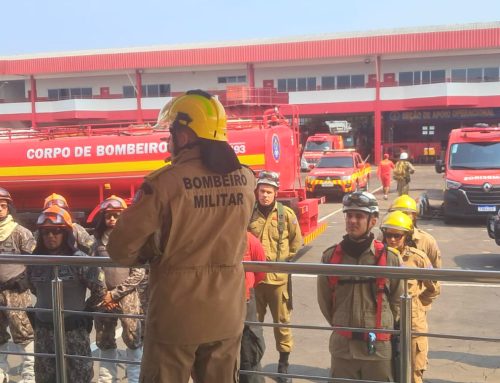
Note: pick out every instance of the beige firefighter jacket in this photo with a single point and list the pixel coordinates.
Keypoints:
(266, 230)
(190, 224)
(423, 292)
(355, 306)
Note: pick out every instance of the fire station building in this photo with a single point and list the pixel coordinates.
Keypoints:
(404, 87)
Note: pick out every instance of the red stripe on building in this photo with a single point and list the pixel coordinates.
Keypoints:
(286, 51)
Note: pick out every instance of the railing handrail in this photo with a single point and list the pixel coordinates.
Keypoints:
(455, 275)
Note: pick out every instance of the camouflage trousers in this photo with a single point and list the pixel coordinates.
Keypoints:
(17, 321)
(131, 334)
(77, 343)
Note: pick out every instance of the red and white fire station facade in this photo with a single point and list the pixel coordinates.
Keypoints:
(399, 87)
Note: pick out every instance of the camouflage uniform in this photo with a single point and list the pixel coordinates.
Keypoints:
(123, 285)
(76, 280)
(84, 240)
(14, 292)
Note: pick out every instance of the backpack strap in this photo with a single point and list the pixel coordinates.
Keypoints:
(381, 260)
(281, 227)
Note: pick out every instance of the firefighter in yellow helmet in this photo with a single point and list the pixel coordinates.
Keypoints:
(14, 290)
(83, 239)
(189, 221)
(422, 239)
(122, 296)
(397, 228)
(56, 238)
(277, 228)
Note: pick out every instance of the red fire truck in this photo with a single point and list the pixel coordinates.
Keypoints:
(89, 163)
(472, 173)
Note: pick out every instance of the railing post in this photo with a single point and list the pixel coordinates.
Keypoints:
(58, 319)
(405, 331)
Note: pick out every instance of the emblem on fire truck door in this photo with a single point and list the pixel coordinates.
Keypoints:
(276, 147)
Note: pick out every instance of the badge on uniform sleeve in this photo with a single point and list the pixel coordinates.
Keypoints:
(100, 277)
(144, 189)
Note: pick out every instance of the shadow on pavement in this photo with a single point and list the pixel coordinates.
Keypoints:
(482, 361)
(299, 370)
(487, 262)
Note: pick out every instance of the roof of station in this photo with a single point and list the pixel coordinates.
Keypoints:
(380, 42)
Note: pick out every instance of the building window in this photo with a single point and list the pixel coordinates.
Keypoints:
(358, 81)
(343, 82)
(438, 76)
(150, 90)
(426, 77)
(458, 75)
(405, 78)
(474, 74)
(296, 84)
(69, 93)
(328, 82)
(231, 79)
(491, 74)
(129, 91)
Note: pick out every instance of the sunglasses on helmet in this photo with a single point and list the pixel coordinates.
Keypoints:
(51, 218)
(356, 199)
(112, 204)
(57, 202)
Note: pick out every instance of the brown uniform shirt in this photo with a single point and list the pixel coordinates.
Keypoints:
(191, 225)
(266, 230)
(423, 292)
(355, 306)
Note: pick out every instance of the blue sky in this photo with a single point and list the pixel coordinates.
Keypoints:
(33, 26)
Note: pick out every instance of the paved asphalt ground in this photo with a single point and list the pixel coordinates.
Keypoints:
(462, 309)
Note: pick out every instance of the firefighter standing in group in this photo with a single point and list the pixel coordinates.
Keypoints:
(14, 290)
(360, 302)
(402, 173)
(422, 239)
(122, 296)
(56, 238)
(189, 220)
(278, 230)
(397, 229)
(84, 240)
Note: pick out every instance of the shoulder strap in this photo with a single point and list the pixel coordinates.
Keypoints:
(335, 259)
(381, 260)
(281, 227)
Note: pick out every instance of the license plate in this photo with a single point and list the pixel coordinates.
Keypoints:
(486, 208)
(327, 184)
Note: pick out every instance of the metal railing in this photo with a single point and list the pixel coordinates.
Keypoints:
(405, 331)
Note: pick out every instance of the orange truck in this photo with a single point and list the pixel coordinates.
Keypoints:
(471, 170)
(87, 164)
(338, 172)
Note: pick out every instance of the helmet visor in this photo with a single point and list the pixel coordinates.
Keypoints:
(359, 200)
(112, 204)
(57, 202)
(51, 219)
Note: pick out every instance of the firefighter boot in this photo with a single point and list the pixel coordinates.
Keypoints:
(108, 370)
(283, 368)
(28, 366)
(4, 366)
(134, 370)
